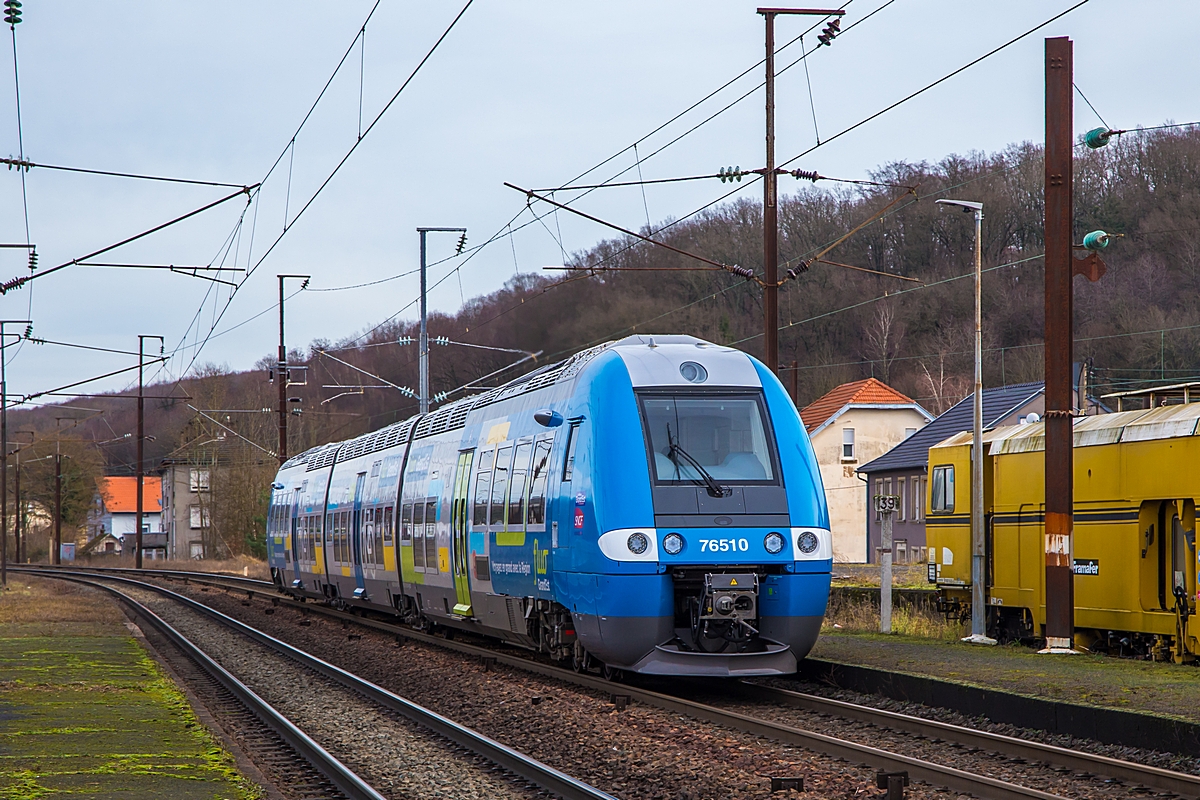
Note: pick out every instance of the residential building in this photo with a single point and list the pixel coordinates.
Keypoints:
(187, 506)
(904, 469)
(115, 513)
(849, 426)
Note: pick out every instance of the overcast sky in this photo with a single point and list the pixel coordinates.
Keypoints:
(534, 93)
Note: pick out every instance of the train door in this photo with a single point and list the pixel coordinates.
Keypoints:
(1183, 557)
(292, 544)
(458, 533)
(355, 536)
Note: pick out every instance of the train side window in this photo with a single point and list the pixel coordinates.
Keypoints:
(500, 486)
(418, 534)
(537, 483)
(941, 500)
(572, 441)
(406, 515)
(483, 488)
(431, 558)
(387, 525)
(516, 492)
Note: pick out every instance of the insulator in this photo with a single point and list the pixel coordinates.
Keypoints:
(304, 285)
(33, 258)
(1097, 137)
(404, 340)
(29, 330)
(797, 271)
(15, 283)
(12, 12)
(1096, 240)
(803, 174)
(462, 242)
(745, 272)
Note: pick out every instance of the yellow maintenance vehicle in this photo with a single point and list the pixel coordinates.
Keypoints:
(1137, 479)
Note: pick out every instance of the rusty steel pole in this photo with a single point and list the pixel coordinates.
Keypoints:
(281, 373)
(771, 193)
(1060, 594)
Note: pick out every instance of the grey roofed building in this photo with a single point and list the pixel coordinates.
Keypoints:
(902, 470)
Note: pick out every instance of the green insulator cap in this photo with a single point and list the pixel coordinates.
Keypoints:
(1096, 240)
(1097, 137)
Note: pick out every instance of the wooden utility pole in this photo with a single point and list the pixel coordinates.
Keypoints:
(1060, 590)
(771, 194)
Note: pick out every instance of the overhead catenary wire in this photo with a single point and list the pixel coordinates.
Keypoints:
(329, 178)
(24, 166)
(17, 283)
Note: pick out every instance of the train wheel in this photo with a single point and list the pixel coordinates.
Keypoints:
(611, 673)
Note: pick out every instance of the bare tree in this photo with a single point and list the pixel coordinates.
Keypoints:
(883, 338)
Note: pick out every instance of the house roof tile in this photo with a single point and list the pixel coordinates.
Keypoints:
(864, 392)
(120, 494)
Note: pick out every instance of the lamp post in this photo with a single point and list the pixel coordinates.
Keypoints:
(978, 547)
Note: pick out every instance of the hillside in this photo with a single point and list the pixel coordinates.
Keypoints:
(1140, 323)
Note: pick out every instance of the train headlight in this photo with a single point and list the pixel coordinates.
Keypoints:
(673, 544)
(693, 372)
(773, 542)
(807, 542)
(637, 543)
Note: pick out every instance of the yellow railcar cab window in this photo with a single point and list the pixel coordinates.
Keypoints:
(941, 500)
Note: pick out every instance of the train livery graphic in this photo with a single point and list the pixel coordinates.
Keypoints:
(651, 504)
(1134, 542)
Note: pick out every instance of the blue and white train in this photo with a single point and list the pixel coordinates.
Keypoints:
(651, 505)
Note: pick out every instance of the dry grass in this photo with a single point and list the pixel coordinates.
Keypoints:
(239, 565)
(904, 576)
(43, 607)
(863, 617)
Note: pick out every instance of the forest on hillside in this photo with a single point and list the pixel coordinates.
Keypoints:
(1139, 324)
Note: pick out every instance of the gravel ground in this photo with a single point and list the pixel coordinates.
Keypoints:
(1172, 761)
(393, 755)
(640, 752)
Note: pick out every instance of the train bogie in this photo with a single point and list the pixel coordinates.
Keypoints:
(650, 505)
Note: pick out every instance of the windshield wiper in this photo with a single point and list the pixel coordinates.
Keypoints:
(714, 489)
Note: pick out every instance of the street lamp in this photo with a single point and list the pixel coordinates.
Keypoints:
(978, 593)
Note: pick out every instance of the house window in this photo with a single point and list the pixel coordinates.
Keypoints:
(198, 517)
(941, 500)
(847, 444)
(878, 492)
(198, 480)
(196, 550)
(916, 498)
(900, 487)
(909, 432)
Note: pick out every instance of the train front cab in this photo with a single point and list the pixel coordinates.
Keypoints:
(682, 579)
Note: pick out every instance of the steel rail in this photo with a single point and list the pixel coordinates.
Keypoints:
(1179, 783)
(526, 767)
(324, 762)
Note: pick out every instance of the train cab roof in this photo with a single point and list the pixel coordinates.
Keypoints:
(684, 361)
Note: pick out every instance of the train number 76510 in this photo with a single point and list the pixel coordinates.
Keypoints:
(724, 545)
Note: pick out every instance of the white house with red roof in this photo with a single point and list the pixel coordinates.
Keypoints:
(115, 514)
(851, 425)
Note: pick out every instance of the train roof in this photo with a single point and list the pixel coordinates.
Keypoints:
(1164, 422)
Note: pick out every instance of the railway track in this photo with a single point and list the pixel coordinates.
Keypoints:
(497, 761)
(926, 770)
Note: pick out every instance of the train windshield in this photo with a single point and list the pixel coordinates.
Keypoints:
(724, 434)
